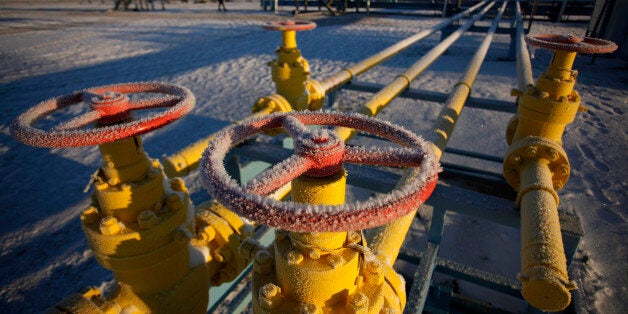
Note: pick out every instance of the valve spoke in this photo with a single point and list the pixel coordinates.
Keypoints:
(320, 153)
(80, 121)
(293, 126)
(154, 103)
(278, 175)
(383, 156)
(87, 95)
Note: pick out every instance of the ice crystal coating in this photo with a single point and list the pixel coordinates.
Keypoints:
(415, 152)
(179, 101)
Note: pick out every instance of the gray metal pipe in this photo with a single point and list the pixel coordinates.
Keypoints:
(524, 67)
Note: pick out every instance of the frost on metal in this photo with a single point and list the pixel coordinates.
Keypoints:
(247, 202)
(179, 101)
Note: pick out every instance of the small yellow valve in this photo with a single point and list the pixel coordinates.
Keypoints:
(537, 166)
(290, 71)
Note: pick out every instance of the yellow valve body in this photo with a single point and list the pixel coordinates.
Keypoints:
(323, 272)
(543, 116)
(295, 91)
(289, 72)
(124, 160)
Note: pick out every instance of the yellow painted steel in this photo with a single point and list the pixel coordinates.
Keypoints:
(123, 160)
(187, 160)
(545, 109)
(162, 252)
(388, 239)
(222, 232)
(139, 226)
(543, 264)
(295, 91)
(536, 166)
(524, 67)
(323, 272)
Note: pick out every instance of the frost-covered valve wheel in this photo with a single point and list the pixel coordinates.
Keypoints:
(110, 108)
(319, 153)
(571, 43)
(289, 26)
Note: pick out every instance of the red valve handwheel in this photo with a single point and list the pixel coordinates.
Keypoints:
(110, 108)
(320, 152)
(571, 43)
(289, 26)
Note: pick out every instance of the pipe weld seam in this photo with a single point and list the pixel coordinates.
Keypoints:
(465, 84)
(531, 187)
(406, 78)
(350, 73)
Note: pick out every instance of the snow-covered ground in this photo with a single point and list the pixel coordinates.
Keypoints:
(50, 49)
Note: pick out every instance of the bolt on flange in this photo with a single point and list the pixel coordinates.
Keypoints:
(270, 296)
(110, 226)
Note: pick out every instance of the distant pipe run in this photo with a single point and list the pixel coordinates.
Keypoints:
(389, 238)
(380, 100)
(444, 125)
(524, 68)
(347, 74)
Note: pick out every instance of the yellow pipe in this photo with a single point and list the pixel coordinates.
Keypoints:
(381, 99)
(187, 160)
(543, 264)
(138, 226)
(560, 66)
(389, 238)
(347, 74)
